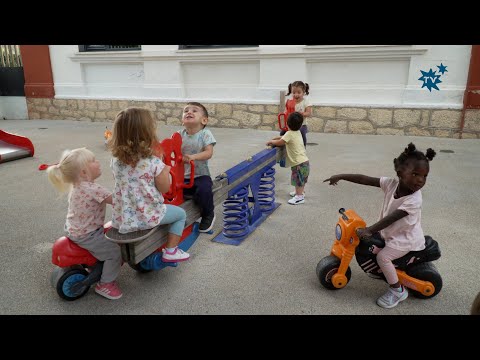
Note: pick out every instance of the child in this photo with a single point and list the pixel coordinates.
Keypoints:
(400, 217)
(140, 179)
(76, 173)
(296, 156)
(197, 145)
(299, 89)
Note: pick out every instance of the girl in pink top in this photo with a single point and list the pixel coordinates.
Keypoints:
(76, 173)
(401, 214)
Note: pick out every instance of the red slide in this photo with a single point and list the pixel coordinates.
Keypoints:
(14, 147)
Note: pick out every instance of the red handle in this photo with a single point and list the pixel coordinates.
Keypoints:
(284, 127)
(192, 175)
(172, 192)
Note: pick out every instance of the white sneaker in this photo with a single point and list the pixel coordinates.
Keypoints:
(296, 200)
(293, 193)
(392, 297)
(177, 255)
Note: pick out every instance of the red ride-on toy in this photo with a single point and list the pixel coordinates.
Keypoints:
(77, 269)
(289, 108)
(415, 270)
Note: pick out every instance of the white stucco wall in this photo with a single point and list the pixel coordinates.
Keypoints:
(369, 75)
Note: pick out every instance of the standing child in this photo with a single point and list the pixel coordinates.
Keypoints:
(140, 179)
(76, 173)
(296, 156)
(400, 216)
(197, 145)
(299, 89)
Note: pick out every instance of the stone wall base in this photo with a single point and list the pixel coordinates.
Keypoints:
(326, 119)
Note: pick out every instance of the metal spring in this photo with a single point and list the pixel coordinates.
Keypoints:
(266, 192)
(236, 214)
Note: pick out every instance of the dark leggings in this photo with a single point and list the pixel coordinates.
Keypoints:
(303, 131)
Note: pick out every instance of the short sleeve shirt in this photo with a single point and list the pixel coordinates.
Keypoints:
(137, 204)
(301, 106)
(405, 234)
(86, 209)
(296, 153)
(194, 144)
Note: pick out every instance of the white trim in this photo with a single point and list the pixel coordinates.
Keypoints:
(310, 53)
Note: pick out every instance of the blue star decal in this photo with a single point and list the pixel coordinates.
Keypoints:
(442, 68)
(430, 79)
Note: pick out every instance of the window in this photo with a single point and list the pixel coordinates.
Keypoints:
(85, 48)
(185, 47)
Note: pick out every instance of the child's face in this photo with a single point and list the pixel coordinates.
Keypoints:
(414, 174)
(194, 117)
(297, 93)
(94, 170)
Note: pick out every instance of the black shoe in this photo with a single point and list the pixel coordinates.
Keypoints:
(207, 223)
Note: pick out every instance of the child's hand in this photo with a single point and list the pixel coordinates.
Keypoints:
(333, 180)
(186, 158)
(364, 233)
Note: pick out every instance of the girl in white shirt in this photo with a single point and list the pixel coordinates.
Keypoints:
(299, 89)
(401, 214)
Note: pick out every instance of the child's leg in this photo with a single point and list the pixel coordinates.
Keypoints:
(104, 250)
(384, 260)
(204, 195)
(175, 216)
(303, 131)
(300, 177)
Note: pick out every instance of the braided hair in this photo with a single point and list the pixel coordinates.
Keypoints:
(411, 153)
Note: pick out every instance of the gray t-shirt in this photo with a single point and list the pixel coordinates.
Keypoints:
(194, 144)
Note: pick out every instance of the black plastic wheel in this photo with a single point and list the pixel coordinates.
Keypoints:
(326, 268)
(71, 276)
(427, 272)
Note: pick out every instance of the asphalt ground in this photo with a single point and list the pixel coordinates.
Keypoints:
(273, 270)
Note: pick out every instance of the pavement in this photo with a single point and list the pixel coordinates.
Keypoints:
(273, 270)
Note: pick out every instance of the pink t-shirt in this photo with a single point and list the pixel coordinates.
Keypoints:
(86, 209)
(405, 234)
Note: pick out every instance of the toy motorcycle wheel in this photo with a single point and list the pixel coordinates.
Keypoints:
(327, 268)
(70, 277)
(426, 272)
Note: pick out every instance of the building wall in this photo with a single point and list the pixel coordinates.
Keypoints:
(372, 89)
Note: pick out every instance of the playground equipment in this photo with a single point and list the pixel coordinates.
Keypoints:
(247, 191)
(415, 270)
(289, 108)
(13, 147)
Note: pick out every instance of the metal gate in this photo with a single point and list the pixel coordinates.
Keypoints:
(12, 80)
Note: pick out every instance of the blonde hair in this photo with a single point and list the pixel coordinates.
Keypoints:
(67, 171)
(134, 135)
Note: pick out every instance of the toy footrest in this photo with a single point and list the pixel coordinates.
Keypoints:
(115, 236)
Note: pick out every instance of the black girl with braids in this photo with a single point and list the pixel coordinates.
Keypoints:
(400, 217)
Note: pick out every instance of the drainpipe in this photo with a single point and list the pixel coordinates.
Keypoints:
(471, 96)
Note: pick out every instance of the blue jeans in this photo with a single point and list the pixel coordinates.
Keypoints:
(175, 216)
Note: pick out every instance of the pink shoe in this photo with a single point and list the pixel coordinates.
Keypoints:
(109, 290)
(177, 255)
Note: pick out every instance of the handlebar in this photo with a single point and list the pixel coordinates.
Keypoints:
(342, 212)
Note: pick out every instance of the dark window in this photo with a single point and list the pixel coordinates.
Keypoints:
(84, 48)
(184, 47)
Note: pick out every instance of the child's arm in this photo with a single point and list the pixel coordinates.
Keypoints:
(162, 180)
(307, 112)
(108, 200)
(276, 141)
(355, 178)
(382, 224)
(206, 154)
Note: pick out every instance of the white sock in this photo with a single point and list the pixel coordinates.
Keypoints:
(170, 250)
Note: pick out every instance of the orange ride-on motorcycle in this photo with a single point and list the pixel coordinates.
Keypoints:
(415, 270)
